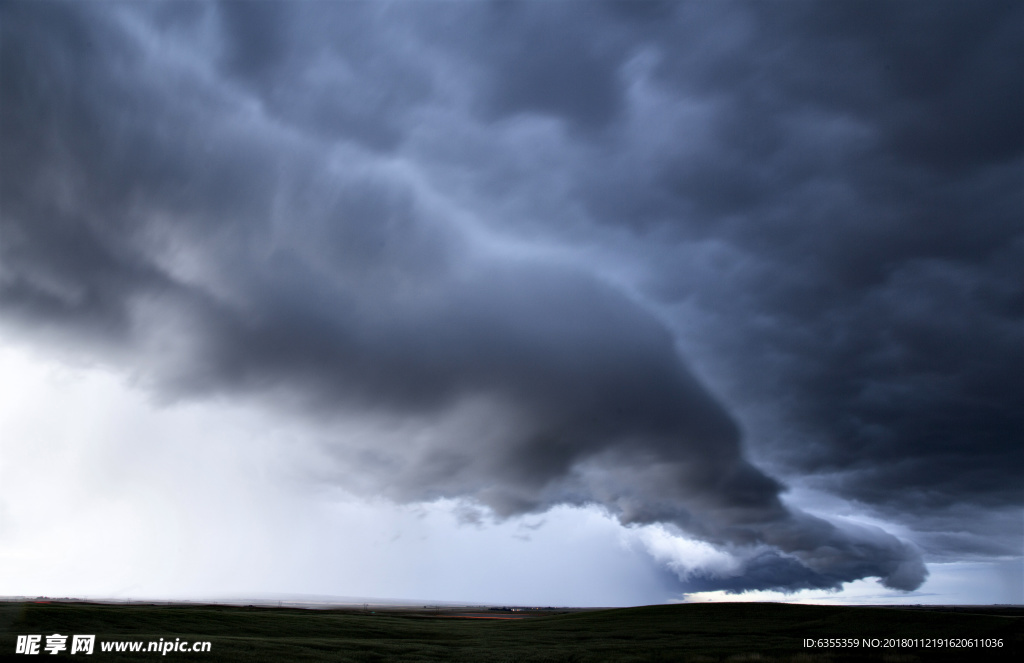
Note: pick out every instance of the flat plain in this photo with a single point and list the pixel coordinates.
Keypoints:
(684, 632)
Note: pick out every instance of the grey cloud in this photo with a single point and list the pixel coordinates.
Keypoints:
(864, 162)
(551, 59)
(865, 168)
(348, 74)
(255, 36)
(772, 571)
(255, 228)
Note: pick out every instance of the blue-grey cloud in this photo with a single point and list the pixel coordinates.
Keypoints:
(307, 205)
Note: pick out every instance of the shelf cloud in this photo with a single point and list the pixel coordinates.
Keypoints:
(428, 220)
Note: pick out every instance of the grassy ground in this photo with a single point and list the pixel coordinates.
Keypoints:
(693, 632)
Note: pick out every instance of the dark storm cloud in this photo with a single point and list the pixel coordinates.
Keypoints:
(861, 165)
(324, 70)
(769, 570)
(870, 165)
(243, 198)
(562, 61)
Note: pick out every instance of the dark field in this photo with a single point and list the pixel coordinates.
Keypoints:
(691, 632)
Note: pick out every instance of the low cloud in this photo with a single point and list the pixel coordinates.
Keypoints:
(184, 219)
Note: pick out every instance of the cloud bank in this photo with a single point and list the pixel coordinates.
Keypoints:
(403, 215)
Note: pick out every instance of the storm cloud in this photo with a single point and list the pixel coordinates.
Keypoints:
(497, 233)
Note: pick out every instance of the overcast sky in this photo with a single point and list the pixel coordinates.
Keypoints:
(575, 303)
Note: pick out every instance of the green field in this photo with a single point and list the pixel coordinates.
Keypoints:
(689, 632)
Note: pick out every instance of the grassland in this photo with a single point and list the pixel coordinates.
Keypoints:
(691, 632)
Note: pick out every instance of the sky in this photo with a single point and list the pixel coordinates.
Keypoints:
(539, 303)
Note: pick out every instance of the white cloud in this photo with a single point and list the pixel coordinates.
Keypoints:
(685, 556)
